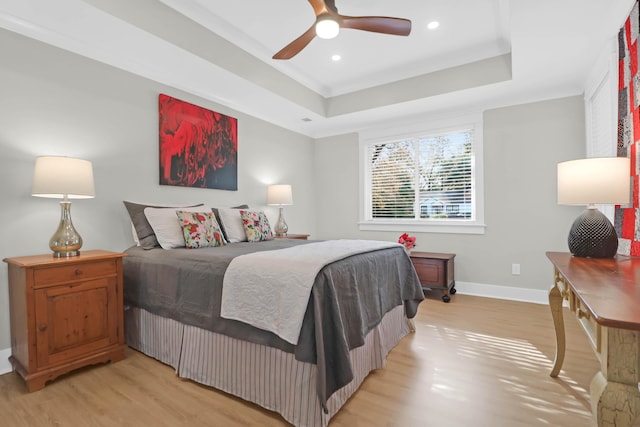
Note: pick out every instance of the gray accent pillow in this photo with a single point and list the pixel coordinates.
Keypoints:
(146, 236)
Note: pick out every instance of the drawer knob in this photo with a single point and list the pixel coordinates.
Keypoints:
(42, 327)
(78, 272)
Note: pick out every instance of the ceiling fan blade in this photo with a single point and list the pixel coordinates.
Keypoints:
(319, 6)
(293, 48)
(378, 24)
(326, 9)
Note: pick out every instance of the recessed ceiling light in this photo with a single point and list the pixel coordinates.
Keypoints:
(433, 25)
(336, 57)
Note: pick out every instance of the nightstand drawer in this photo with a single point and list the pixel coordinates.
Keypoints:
(430, 271)
(69, 273)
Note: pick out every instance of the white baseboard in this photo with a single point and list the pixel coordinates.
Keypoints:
(537, 296)
(5, 366)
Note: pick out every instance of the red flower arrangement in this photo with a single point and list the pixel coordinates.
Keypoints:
(409, 242)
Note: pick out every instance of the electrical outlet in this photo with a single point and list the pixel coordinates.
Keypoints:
(515, 269)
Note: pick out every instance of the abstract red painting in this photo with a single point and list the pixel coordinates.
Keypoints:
(198, 147)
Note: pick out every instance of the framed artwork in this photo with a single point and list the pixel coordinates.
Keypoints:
(198, 147)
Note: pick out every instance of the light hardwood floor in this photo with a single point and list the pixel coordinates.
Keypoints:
(472, 362)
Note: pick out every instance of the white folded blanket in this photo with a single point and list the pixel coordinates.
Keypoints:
(270, 290)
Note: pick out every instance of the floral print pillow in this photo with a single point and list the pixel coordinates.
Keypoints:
(256, 225)
(200, 229)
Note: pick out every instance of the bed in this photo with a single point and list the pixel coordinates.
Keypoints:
(357, 311)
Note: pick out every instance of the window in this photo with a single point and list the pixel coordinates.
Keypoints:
(426, 181)
(601, 111)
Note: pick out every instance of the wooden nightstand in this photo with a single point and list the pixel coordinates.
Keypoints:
(293, 236)
(65, 313)
(435, 271)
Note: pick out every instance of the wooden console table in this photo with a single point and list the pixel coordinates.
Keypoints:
(605, 296)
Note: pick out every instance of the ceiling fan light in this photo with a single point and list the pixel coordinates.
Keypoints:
(327, 28)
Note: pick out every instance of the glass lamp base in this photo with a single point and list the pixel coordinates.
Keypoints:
(65, 242)
(281, 227)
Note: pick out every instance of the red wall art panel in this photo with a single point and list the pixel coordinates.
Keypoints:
(198, 147)
(627, 220)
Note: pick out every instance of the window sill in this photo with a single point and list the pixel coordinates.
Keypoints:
(419, 227)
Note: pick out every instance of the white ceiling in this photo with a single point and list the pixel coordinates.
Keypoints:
(553, 46)
(470, 30)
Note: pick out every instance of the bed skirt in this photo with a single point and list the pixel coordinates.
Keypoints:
(263, 375)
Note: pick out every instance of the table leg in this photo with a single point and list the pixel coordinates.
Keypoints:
(613, 404)
(555, 303)
(615, 399)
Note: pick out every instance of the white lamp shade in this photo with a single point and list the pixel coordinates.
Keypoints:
(601, 180)
(63, 177)
(279, 195)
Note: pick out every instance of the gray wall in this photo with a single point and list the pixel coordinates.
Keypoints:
(522, 145)
(57, 103)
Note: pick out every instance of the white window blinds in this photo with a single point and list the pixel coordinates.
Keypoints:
(424, 178)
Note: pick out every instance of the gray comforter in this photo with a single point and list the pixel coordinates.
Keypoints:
(349, 298)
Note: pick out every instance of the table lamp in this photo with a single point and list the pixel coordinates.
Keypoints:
(280, 195)
(603, 180)
(63, 178)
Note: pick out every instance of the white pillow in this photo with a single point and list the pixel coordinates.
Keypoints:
(166, 225)
(232, 223)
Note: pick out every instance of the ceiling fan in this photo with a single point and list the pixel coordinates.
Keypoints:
(329, 21)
